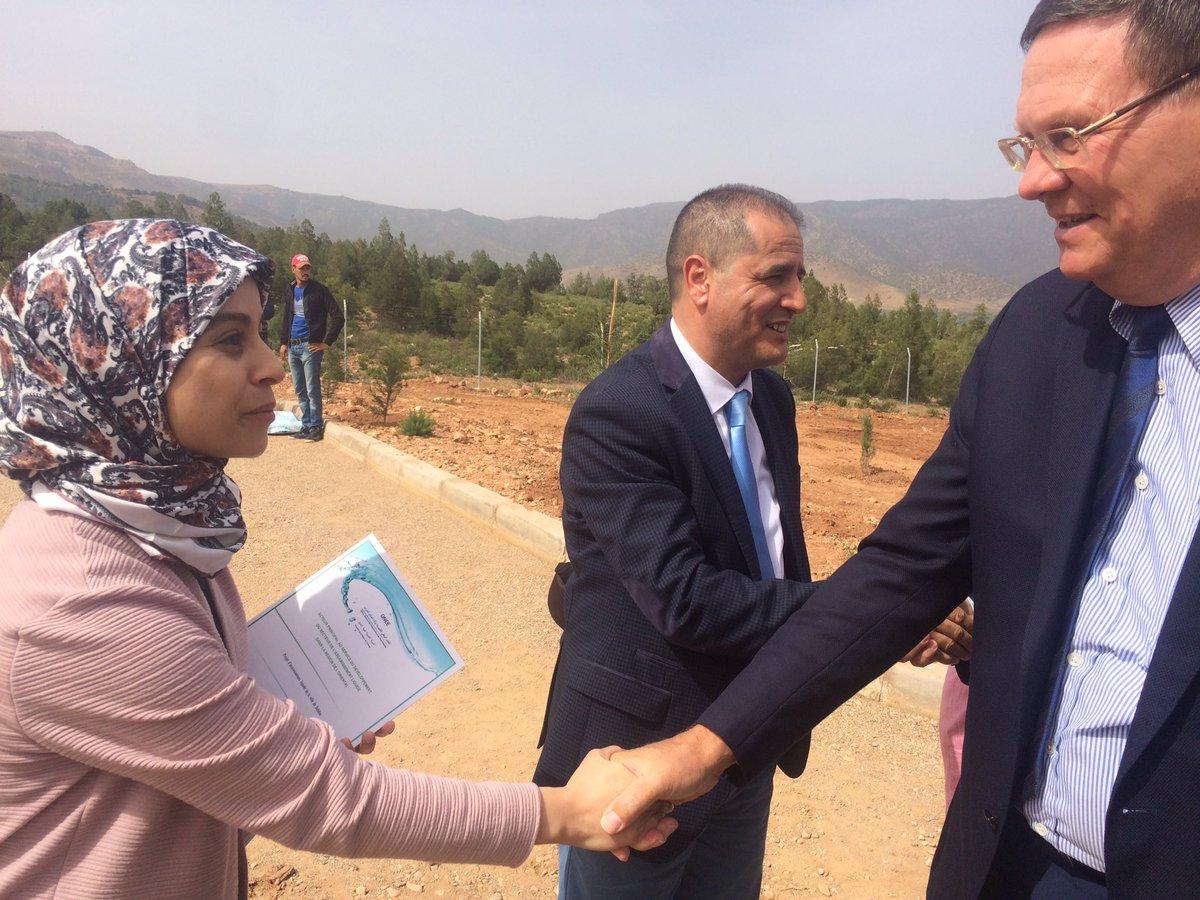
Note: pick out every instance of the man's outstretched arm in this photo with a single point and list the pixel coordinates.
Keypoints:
(909, 574)
(686, 766)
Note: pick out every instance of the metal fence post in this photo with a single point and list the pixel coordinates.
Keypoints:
(907, 377)
(816, 356)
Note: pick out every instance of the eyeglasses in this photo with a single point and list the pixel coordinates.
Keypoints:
(1066, 148)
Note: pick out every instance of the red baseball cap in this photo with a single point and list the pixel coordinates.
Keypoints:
(300, 260)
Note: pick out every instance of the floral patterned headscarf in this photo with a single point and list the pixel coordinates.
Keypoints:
(92, 327)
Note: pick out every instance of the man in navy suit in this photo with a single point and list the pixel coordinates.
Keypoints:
(681, 509)
(679, 576)
(1063, 497)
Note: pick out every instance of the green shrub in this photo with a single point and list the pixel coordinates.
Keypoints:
(369, 341)
(536, 358)
(333, 371)
(442, 355)
(417, 423)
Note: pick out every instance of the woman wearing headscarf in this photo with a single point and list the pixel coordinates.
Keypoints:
(133, 746)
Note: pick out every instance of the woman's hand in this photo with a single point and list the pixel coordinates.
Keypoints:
(571, 814)
(366, 743)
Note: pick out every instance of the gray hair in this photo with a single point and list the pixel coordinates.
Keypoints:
(713, 225)
(1164, 35)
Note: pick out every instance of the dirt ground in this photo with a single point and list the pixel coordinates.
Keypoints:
(861, 823)
(507, 436)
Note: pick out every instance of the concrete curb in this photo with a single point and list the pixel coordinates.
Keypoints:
(903, 686)
(533, 531)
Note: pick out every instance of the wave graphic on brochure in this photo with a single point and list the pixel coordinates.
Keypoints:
(375, 572)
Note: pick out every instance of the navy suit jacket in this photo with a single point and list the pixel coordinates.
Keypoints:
(664, 605)
(1001, 511)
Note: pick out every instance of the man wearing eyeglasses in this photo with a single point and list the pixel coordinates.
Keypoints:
(1063, 497)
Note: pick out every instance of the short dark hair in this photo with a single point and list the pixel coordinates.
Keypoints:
(1164, 35)
(713, 225)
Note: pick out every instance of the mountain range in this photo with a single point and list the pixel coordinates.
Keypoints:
(957, 252)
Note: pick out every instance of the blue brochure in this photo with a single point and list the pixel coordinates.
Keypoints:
(352, 645)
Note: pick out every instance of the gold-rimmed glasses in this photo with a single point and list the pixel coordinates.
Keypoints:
(1066, 147)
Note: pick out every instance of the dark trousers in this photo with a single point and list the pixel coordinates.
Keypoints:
(724, 863)
(1027, 866)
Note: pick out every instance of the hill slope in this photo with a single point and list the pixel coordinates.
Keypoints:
(958, 252)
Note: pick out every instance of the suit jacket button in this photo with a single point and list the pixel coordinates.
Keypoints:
(990, 818)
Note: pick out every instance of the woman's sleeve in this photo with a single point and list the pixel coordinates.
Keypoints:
(136, 683)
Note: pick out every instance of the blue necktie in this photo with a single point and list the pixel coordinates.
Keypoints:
(743, 471)
(1137, 385)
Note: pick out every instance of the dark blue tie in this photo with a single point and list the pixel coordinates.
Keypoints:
(1137, 385)
(743, 470)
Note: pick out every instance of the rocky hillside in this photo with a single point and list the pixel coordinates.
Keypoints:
(958, 252)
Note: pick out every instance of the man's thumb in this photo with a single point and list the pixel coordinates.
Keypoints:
(629, 806)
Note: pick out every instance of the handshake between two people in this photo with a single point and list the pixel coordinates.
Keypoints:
(631, 793)
(572, 814)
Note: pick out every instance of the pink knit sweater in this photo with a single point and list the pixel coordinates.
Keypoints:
(132, 748)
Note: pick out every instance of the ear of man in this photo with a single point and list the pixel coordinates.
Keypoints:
(697, 281)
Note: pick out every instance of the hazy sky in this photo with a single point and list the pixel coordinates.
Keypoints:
(515, 109)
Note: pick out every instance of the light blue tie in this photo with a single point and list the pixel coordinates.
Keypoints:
(743, 471)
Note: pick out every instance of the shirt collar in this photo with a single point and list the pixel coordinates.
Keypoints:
(1184, 311)
(714, 386)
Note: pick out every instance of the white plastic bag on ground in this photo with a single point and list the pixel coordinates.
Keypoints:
(285, 423)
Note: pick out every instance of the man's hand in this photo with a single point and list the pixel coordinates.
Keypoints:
(317, 348)
(949, 643)
(571, 814)
(283, 352)
(366, 743)
(676, 770)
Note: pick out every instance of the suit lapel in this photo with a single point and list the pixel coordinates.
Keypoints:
(785, 474)
(687, 402)
(1088, 360)
(1175, 662)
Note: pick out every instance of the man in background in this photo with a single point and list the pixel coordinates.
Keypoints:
(311, 322)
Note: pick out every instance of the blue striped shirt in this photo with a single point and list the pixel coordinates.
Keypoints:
(1124, 601)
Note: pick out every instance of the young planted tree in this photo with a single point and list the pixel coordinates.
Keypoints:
(333, 371)
(384, 373)
(868, 444)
